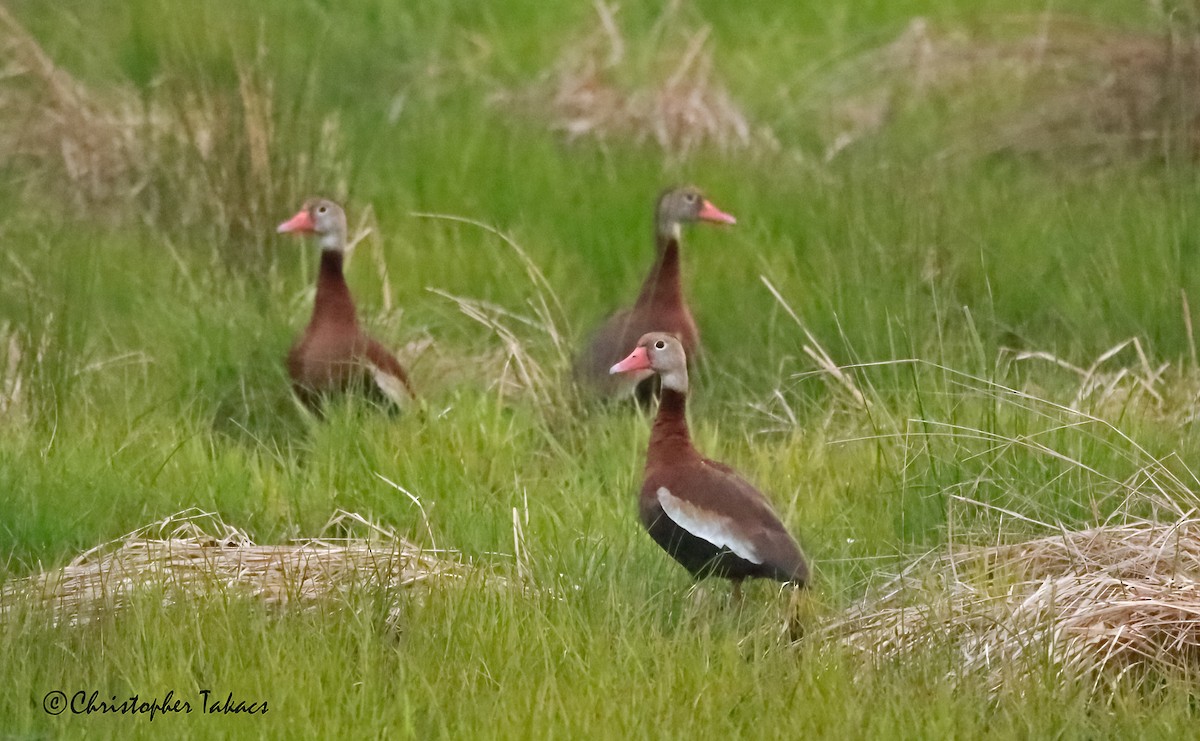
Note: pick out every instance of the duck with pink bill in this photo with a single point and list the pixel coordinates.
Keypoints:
(660, 305)
(701, 512)
(334, 355)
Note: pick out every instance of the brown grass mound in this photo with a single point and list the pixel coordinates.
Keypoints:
(1115, 597)
(48, 117)
(597, 89)
(206, 153)
(194, 554)
(1048, 85)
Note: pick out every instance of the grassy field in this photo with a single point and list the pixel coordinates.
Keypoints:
(933, 224)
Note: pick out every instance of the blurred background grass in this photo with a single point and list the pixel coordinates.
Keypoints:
(963, 183)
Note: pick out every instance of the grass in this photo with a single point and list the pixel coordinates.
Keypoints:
(145, 330)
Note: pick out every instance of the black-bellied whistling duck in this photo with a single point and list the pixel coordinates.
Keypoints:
(334, 354)
(700, 511)
(660, 306)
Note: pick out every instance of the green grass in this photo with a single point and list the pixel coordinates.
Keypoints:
(153, 381)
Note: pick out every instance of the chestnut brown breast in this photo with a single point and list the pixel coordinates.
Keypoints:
(334, 355)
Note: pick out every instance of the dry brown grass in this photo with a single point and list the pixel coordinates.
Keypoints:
(49, 119)
(12, 382)
(1123, 380)
(535, 342)
(601, 89)
(23, 353)
(225, 159)
(1049, 85)
(1119, 599)
(193, 555)
(1107, 387)
(203, 154)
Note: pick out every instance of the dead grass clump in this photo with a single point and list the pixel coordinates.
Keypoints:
(223, 158)
(1048, 85)
(48, 118)
(518, 367)
(1107, 601)
(12, 382)
(195, 554)
(1103, 388)
(600, 89)
(1162, 391)
(204, 153)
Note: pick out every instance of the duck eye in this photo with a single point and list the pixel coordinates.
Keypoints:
(660, 345)
(322, 210)
(691, 197)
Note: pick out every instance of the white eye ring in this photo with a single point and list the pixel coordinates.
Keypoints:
(322, 210)
(659, 345)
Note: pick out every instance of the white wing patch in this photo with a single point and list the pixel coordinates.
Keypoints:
(391, 386)
(705, 525)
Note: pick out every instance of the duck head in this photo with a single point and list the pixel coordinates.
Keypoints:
(685, 205)
(322, 217)
(661, 353)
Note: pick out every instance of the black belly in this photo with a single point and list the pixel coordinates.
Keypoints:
(700, 557)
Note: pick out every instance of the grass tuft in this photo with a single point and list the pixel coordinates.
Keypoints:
(1077, 91)
(1103, 602)
(604, 88)
(192, 556)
